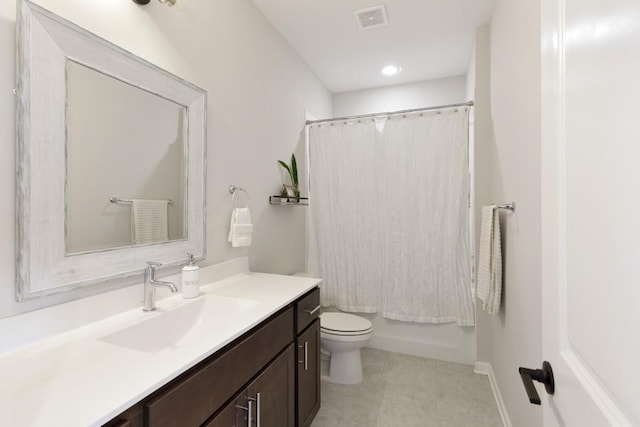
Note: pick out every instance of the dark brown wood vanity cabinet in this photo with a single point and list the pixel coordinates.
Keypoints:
(133, 417)
(268, 401)
(308, 358)
(308, 374)
(261, 379)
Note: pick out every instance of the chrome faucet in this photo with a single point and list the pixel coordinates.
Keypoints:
(150, 284)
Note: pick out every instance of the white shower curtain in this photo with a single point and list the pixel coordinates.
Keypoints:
(389, 227)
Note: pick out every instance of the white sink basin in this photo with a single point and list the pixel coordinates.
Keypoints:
(169, 328)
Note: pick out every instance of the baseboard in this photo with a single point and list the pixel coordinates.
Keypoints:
(484, 368)
(422, 349)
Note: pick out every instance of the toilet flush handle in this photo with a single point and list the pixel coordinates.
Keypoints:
(311, 311)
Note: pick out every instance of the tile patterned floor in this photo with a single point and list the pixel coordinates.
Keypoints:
(407, 391)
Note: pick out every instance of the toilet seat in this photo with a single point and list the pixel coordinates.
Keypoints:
(343, 324)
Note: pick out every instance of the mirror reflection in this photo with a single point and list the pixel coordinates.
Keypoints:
(125, 142)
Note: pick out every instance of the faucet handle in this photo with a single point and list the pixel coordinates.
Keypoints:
(153, 264)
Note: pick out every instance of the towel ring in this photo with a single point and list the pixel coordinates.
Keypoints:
(233, 189)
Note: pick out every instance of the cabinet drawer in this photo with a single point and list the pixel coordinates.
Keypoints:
(307, 310)
(191, 401)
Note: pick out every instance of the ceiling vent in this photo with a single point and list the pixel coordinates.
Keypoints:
(371, 17)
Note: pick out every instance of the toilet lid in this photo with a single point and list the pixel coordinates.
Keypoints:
(343, 322)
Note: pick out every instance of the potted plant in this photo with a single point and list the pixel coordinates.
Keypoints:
(291, 191)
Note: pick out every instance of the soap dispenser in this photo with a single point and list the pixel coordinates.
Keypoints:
(190, 278)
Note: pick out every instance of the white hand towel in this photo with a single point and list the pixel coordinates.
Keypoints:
(489, 279)
(241, 228)
(149, 221)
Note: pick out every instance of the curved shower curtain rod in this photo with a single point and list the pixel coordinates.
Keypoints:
(392, 113)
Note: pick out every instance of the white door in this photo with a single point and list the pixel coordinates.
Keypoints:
(591, 211)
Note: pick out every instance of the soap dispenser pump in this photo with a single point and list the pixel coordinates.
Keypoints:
(190, 278)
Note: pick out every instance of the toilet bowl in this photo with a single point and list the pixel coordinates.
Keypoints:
(342, 336)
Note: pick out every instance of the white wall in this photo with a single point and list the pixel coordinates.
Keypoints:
(470, 77)
(515, 101)
(400, 97)
(445, 341)
(258, 91)
(483, 149)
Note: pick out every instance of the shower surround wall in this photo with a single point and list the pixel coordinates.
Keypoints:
(441, 341)
(258, 91)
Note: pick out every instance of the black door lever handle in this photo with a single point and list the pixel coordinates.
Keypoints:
(544, 375)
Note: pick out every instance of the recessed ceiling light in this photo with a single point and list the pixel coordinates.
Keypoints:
(391, 70)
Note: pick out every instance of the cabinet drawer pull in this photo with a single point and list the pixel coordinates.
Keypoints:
(248, 409)
(257, 400)
(258, 409)
(311, 311)
(306, 353)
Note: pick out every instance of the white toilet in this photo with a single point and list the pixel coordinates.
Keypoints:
(342, 336)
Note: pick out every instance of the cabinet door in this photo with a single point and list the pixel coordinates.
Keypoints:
(308, 378)
(235, 414)
(272, 394)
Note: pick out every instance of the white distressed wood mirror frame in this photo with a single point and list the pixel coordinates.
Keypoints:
(45, 43)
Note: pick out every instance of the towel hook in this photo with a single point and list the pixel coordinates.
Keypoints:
(233, 189)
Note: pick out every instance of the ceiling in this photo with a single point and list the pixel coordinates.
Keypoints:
(428, 39)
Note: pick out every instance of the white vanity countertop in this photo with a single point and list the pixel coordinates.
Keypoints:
(78, 378)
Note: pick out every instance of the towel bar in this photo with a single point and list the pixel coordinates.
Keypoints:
(114, 199)
(510, 206)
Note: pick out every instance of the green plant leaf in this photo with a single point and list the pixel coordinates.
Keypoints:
(294, 171)
(286, 166)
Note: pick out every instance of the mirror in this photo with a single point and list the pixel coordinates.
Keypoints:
(110, 160)
(152, 169)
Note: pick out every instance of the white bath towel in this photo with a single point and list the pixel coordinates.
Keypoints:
(489, 279)
(149, 221)
(241, 228)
